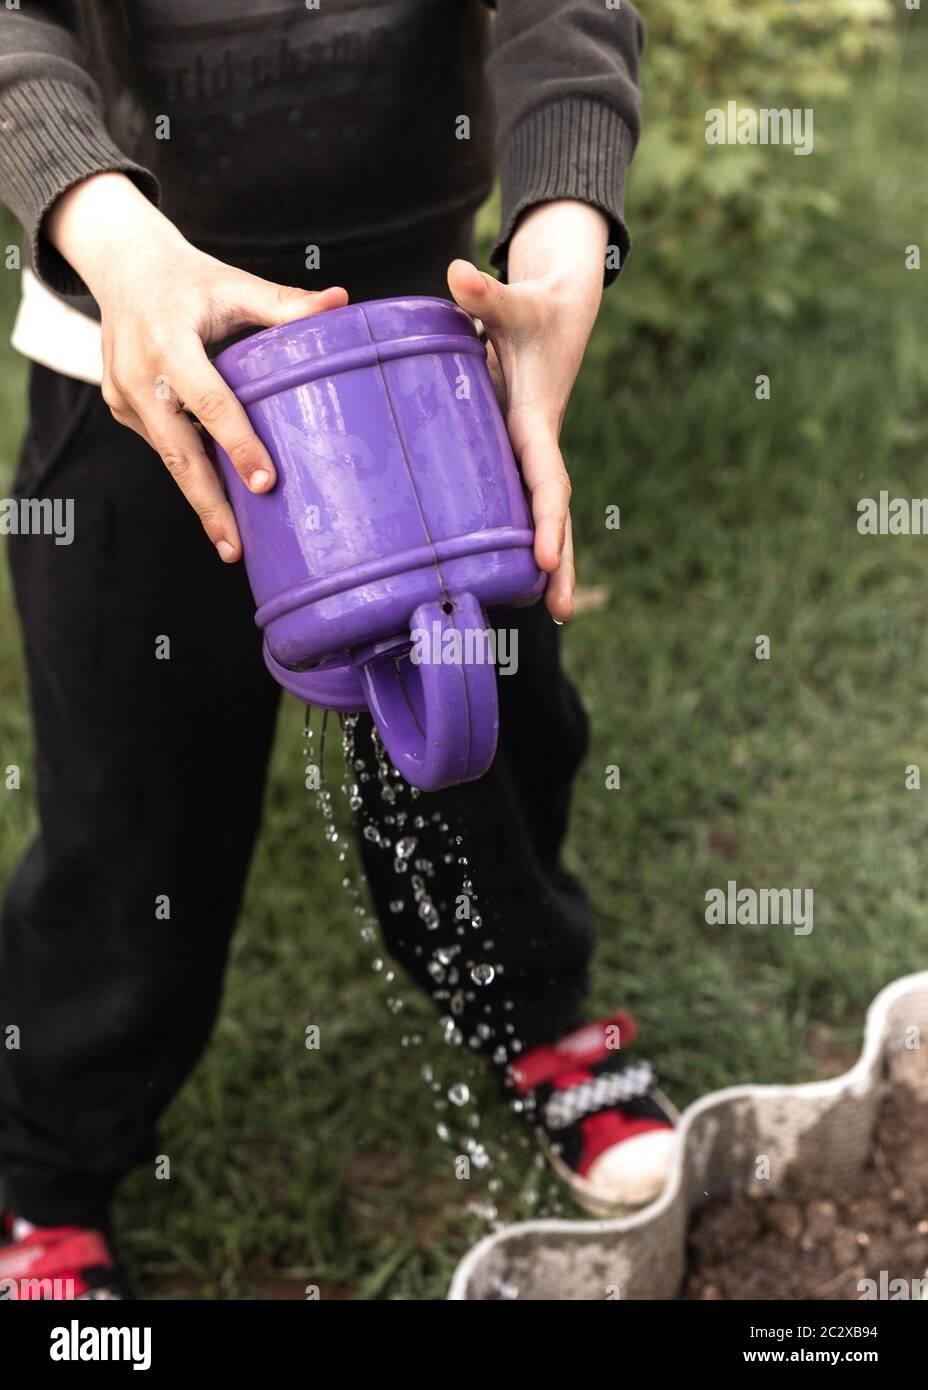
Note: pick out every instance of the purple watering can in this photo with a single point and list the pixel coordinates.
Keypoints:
(398, 519)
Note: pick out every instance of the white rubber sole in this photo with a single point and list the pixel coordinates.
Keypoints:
(624, 1178)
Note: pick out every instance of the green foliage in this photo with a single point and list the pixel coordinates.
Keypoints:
(727, 229)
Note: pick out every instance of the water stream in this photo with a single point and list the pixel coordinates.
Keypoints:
(458, 971)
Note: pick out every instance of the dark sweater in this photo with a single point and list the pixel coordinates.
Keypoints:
(335, 127)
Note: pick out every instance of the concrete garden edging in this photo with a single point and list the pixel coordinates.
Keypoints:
(816, 1135)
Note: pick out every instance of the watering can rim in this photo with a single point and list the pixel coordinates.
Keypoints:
(231, 355)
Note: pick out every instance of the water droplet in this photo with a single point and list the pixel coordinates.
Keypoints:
(483, 974)
(485, 1211)
(459, 1094)
(396, 905)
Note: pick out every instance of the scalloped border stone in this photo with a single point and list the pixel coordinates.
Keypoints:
(816, 1135)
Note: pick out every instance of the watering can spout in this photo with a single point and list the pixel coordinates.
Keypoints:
(438, 717)
(437, 714)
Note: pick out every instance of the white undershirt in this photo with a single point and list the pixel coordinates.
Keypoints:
(55, 334)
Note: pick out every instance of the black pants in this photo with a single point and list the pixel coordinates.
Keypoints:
(139, 797)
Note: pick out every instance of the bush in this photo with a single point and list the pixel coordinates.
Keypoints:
(724, 229)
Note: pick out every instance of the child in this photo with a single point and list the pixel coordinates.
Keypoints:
(294, 149)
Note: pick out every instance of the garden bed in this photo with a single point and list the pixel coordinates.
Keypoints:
(844, 1197)
(870, 1240)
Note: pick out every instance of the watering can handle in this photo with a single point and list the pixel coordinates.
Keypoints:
(448, 734)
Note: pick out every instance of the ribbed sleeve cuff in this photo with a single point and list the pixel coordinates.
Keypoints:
(52, 137)
(575, 148)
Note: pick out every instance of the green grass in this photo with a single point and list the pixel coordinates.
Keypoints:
(292, 1167)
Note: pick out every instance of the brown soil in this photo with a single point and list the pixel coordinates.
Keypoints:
(781, 1248)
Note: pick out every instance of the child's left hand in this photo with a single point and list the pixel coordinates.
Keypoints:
(538, 325)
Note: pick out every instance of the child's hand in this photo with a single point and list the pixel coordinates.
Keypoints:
(160, 301)
(538, 327)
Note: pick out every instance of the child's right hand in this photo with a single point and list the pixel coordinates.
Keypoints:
(160, 301)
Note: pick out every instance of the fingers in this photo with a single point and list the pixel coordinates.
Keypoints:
(549, 486)
(479, 294)
(181, 448)
(548, 483)
(178, 442)
(559, 595)
(202, 390)
(550, 502)
(533, 378)
(154, 368)
(161, 422)
(257, 301)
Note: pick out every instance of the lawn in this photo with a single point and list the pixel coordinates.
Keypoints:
(292, 1167)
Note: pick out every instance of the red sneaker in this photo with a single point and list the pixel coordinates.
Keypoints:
(56, 1262)
(605, 1128)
